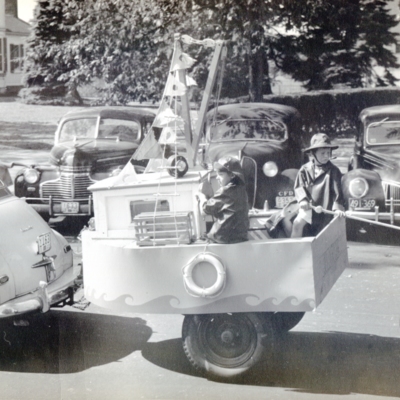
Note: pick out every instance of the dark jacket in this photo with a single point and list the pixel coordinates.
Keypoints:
(229, 207)
(324, 190)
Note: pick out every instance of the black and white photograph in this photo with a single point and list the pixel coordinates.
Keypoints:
(199, 199)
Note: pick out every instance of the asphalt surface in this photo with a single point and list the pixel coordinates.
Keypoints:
(349, 346)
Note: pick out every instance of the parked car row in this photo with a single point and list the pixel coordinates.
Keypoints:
(36, 268)
(96, 143)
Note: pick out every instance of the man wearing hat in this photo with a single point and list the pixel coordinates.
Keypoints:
(229, 205)
(318, 183)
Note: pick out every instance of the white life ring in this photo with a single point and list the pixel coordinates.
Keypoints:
(195, 290)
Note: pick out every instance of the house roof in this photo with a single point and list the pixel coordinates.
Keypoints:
(17, 26)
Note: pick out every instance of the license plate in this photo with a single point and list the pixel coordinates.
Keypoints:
(361, 204)
(70, 207)
(282, 201)
(44, 243)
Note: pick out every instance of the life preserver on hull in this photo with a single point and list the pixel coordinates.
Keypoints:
(197, 291)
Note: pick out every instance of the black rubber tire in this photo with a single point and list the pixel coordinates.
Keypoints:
(283, 322)
(175, 160)
(225, 345)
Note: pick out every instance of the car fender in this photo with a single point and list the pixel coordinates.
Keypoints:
(375, 188)
(290, 173)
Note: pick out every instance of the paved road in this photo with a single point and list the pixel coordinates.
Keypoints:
(348, 347)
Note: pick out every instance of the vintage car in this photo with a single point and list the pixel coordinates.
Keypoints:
(372, 185)
(36, 266)
(267, 138)
(90, 145)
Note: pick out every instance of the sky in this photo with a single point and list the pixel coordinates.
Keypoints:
(25, 9)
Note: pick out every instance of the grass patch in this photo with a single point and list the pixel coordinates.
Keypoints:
(24, 135)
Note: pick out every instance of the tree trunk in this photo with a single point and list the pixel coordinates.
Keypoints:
(259, 83)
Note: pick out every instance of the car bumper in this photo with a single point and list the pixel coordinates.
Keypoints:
(44, 297)
(375, 215)
(54, 207)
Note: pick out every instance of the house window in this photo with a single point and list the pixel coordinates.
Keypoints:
(3, 55)
(16, 57)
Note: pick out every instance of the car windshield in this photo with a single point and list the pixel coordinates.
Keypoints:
(83, 128)
(121, 129)
(109, 128)
(244, 129)
(383, 132)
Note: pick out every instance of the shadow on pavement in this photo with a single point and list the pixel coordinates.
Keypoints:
(329, 363)
(169, 355)
(363, 232)
(68, 342)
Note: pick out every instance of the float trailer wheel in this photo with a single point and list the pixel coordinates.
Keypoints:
(225, 345)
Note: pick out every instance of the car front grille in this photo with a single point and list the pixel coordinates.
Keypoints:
(392, 191)
(72, 184)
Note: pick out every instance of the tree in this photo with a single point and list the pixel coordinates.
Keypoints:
(243, 25)
(336, 42)
(46, 59)
(128, 43)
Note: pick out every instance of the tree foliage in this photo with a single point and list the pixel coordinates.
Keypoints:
(128, 43)
(333, 42)
(52, 29)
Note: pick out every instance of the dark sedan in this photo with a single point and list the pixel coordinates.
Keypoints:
(372, 185)
(268, 139)
(90, 145)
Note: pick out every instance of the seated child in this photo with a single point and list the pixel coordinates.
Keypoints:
(318, 183)
(229, 205)
(279, 224)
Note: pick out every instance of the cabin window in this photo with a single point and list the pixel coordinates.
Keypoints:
(141, 206)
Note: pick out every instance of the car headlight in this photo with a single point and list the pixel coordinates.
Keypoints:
(358, 187)
(31, 175)
(270, 169)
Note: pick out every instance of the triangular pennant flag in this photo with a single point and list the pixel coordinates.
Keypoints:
(190, 81)
(128, 174)
(166, 117)
(181, 61)
(174, 87)
(149, 148)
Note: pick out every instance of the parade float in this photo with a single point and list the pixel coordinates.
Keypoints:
(146, 250)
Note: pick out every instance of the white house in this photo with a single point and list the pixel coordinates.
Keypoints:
(13, 35)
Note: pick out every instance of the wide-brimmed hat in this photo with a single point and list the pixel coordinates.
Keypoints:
(230, 164)
(319, 141)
